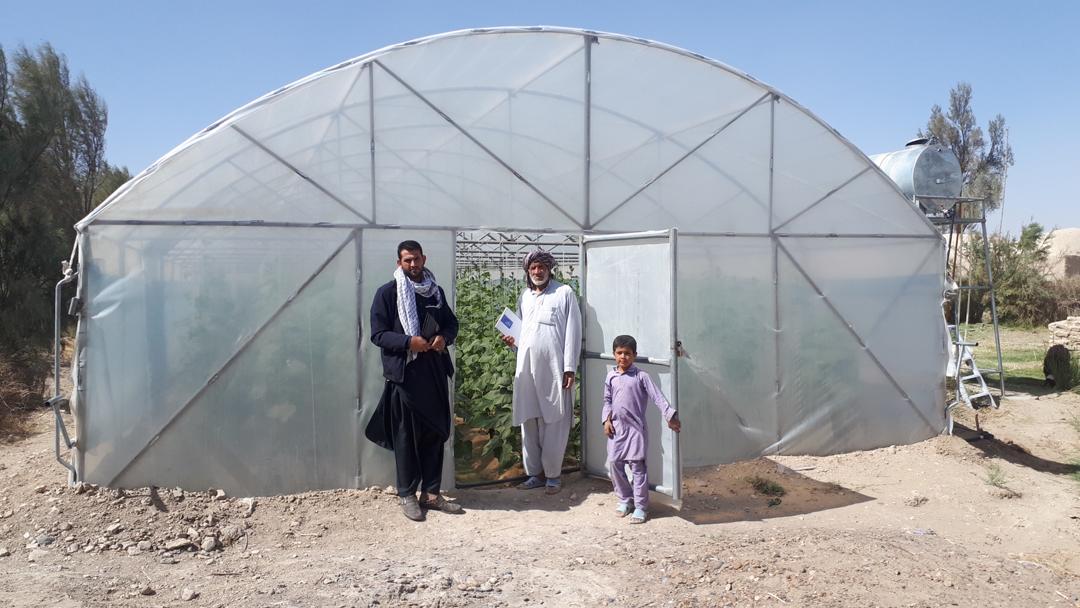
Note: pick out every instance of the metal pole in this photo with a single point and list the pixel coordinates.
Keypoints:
(993, 304)
(589, 39)
(583, 304)
(775, 266)
(371, 131)
(54, 403)
(358, 239)
(452, 297)
(676, 348)
(69, 276)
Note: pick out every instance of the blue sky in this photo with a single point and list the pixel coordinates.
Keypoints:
(871, 70)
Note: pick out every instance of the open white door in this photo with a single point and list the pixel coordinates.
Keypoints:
(628, 287)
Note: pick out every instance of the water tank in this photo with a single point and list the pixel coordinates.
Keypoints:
(928, 173)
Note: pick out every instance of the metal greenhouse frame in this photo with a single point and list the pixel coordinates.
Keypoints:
(221, 292)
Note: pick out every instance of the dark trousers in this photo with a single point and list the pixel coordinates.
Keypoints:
(418, 452)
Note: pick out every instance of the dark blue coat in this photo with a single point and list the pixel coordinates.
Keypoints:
(388, 334)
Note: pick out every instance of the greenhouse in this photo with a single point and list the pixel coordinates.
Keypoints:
(783, 291)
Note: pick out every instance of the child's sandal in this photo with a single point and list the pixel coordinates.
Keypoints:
(622, 510)
(531, 483)
(553, 485)
(638, 517)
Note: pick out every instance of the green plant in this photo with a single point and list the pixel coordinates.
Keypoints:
(1022, 290)
(996, 477)
(766, 486)
(485, 366)
(485, 370)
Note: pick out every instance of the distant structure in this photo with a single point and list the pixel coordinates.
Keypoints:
(1063, 262)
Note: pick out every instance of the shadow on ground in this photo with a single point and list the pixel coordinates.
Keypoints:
(727, 493)
(576, 489)
(712, 495)
(1011, 452)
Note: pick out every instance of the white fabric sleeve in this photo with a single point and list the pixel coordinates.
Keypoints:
(572, 345)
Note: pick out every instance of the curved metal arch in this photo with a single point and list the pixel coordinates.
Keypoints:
(371, 57)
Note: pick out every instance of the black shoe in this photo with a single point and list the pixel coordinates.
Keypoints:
(411, 508)
(441, 504)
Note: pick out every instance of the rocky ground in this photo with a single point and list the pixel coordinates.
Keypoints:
(988, 518)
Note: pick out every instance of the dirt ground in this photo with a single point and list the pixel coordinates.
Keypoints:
(917, 525)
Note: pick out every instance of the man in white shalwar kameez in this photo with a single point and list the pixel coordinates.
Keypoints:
(547, 358)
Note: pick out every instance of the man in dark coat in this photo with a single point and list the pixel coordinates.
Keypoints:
(412, 323)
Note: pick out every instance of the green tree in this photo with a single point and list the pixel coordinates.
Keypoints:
(983, 164)
(1024, 294)
(52, 173)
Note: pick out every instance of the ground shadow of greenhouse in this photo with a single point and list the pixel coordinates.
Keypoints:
(747, 491)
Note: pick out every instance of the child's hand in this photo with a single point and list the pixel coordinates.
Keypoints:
(674, 424)
(609, 429)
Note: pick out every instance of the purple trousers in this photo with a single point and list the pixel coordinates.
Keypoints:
(639, 491)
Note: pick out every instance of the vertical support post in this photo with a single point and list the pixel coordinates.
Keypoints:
(582, 303)
(69, 276)
(676, 348)
(993, 302)
(358, 238)
(775, 267)
(589, 39)
(78, 454)
(371, 131)
(451, 297)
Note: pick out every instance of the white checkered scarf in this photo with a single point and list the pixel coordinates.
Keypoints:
(406, 300)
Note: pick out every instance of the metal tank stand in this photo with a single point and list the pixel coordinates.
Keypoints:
(970, 384)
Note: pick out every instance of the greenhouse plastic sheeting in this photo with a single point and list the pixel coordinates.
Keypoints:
(808, 286)
(196, 345)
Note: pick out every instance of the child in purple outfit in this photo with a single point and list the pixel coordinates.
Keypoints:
(627, 391)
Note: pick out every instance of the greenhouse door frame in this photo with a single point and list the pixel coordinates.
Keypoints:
(657, 354)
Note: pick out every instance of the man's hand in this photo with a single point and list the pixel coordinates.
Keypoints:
(567, 380)
(419, 345)
(674, 424)
(438, 344)
(507, 340)
(609, 429)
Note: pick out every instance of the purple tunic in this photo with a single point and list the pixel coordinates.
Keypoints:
(626, 396)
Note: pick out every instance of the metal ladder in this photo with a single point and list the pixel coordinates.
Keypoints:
(964, 358)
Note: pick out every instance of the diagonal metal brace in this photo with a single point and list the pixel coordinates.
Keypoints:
(685, 156)
(822, 199)
(56, 403)
(298, 172)
(232, 359)
(858, 338)
(476, 141)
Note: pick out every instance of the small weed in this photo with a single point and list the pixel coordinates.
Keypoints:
(774, 502)
(996, 477)
(765, 486)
